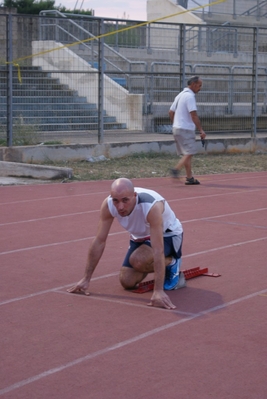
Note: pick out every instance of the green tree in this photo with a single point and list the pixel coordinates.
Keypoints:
(34, 7)
(65, 10)
(30, 6)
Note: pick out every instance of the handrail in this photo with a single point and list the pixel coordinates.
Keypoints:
(257, 7)
(264, 68)
(229, 75)
(56, 12)
(153, 64)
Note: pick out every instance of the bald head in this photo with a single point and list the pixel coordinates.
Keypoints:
(122, 185)
(123, 196)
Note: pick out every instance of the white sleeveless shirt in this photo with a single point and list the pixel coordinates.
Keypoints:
(136, 223)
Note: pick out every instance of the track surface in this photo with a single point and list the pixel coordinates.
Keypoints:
(111, 344)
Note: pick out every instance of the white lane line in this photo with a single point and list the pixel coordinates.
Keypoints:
(49, 217)
(237, 244)
(68, 195)
(125, 232)
(115, 273)
(71, 188)
(97, 210)
(214, 195)
(107, 193)
(58, 290)
(206, 177)
(225, 215)
(53, 289)
(55, 244)
(124, 343)
(126, 303)
(254, 226)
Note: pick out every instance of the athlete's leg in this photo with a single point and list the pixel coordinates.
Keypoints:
(142, 263)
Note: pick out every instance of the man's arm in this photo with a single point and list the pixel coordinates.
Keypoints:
(96, 249)
(171, 115)
(154, 218)
(197, 123)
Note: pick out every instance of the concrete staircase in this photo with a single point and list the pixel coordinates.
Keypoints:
(50, 106)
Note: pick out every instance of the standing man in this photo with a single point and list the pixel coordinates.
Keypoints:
(183, 115)
(155, 241)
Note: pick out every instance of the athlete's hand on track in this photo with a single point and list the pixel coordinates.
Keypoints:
(80, 288)
(161, 300)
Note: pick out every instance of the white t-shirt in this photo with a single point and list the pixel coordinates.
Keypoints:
(183, 104)
(136, 223)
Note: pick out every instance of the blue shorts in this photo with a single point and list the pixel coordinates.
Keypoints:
(172, 247)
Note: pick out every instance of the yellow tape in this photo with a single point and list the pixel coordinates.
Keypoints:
(19, 74)
(15, 62)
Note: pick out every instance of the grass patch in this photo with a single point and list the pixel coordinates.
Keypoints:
(55, 142)
(158, 165)
(23, 134)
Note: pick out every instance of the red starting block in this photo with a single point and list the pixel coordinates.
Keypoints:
(196, 271)
(147, 286)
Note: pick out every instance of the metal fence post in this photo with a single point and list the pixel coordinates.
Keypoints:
(208, 41)
(231, 91)
(264, 109)
(101, 83)
(117, 37)
(258, 11)
(9, 81)
(57, 31)
(149, 49)
(254, 82)
(182, 56)
(199, 38)
(234, 10)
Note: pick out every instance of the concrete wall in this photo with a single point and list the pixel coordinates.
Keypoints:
(157, 9)
(24, 30)
(39, 154)
(161, 38)
(16, 169)
(127, 108)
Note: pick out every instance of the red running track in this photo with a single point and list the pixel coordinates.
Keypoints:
(111, 344)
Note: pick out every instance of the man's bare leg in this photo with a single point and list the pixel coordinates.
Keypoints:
(142, 262)
(185, 162)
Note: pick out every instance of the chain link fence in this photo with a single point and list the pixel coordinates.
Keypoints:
(66, 78)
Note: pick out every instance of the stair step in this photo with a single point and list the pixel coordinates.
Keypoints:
(58, 119)
(40, 113)
(46, 100)
(39, 85)
(40, 93)
(41, 107)
(25, 74)
(41, 100)
(80, 126)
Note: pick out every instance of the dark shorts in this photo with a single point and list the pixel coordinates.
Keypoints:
(172, 247)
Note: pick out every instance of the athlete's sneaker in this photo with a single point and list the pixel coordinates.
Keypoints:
(172, 276)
